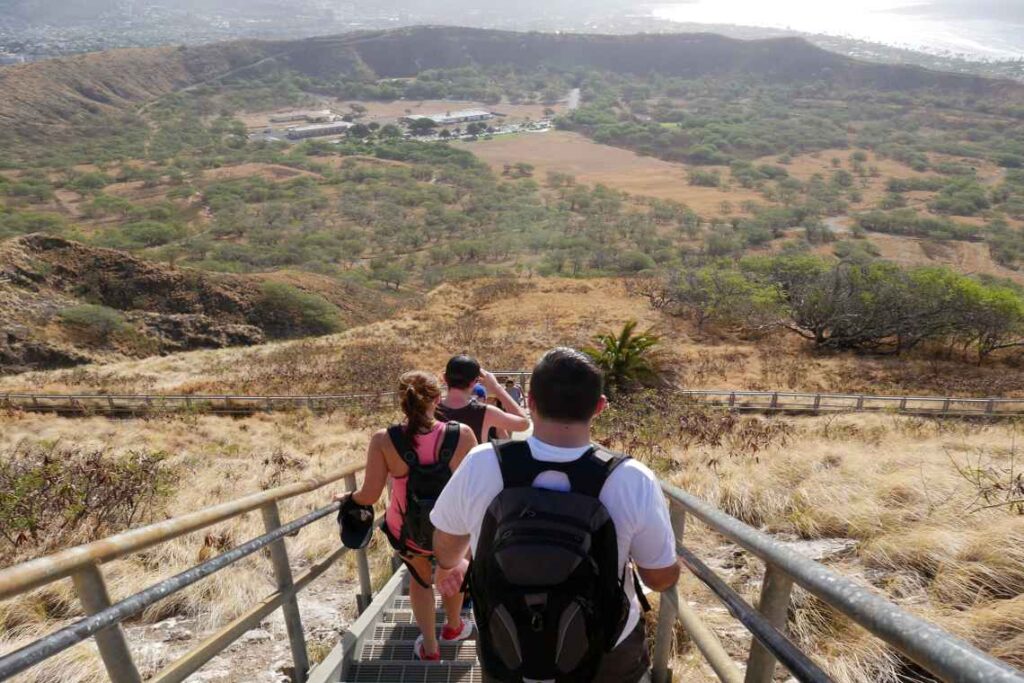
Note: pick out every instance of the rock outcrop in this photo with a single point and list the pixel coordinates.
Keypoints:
(163, 310)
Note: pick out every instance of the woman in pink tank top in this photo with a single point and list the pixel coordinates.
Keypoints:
(420, 394)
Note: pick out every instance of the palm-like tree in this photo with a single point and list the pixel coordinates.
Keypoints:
(626, 358)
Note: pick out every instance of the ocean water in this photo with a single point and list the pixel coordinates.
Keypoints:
(986, 29)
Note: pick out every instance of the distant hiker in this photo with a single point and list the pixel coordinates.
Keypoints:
(515, 392)
(555, 526)
(461, 375)
(418, 457)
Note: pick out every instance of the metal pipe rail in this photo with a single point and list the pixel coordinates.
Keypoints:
(752, 401)
(103, 618)
(805, 402)
(940, 653)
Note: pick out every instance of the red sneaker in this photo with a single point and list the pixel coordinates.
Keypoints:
(421, 655)
(452, 635)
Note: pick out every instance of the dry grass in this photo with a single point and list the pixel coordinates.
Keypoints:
(903, 520)
(593, 163)
(882, 489)
(215, 459)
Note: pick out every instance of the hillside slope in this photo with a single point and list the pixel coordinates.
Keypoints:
(508, 324)
(70, 90)
(128, 306)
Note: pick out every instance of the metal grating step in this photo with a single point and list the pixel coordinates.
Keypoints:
(396, 632)
(414, 672)
(379, 651)
(404, 616)
(402, 602)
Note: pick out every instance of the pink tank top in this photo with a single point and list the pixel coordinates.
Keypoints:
(427, 446)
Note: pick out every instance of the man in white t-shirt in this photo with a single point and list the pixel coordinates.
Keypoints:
(565, 397)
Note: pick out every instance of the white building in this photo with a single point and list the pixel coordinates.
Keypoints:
(318, 130)
(453, 117)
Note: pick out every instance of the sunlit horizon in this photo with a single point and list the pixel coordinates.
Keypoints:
(881, 21)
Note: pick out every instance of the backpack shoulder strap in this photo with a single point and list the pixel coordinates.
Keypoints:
(449, 442)
(405, 450)
(590, 472)
(518, 468)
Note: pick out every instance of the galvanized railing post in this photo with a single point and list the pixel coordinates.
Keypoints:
(668, 610)
(365, 596)
(774, 605)
(290, 605)
(92, 593)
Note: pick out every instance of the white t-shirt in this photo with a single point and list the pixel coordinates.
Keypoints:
(631, 495)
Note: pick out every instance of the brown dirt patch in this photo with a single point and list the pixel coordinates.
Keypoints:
(804, 166)
(593, 163)
(69, 201)
(965, 257)
(272, 172)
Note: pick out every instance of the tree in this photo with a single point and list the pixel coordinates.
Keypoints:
(422, 126)
(360, 131)
(626, 358)
(988, 318)
(717, 294)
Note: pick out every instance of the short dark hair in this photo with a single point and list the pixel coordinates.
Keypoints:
(566, 386)
(510, 382)
(461, 372)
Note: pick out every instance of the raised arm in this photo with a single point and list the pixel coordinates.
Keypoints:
(513, 418)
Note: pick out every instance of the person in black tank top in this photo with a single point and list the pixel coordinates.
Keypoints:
(472, 415)
(460, 374)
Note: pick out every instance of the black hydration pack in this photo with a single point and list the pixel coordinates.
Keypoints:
(424, 486)
(548, 597)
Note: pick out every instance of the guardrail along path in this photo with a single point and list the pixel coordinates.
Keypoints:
(744, 401)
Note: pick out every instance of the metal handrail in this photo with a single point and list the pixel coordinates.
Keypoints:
(44, 648)
(103, 618)
(35, 573)
(937, 651)
(761, 628)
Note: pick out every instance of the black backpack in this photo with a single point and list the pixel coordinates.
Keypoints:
(548, 597)
(424, 486)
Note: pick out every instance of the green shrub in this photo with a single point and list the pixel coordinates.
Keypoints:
(92, 323)
(56, 496)
(89, 182)
(285, 312)
(705, 178)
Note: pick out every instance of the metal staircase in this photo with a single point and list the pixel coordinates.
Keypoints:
(381, 642)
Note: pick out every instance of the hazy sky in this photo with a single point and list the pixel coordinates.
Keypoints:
(992, 28)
